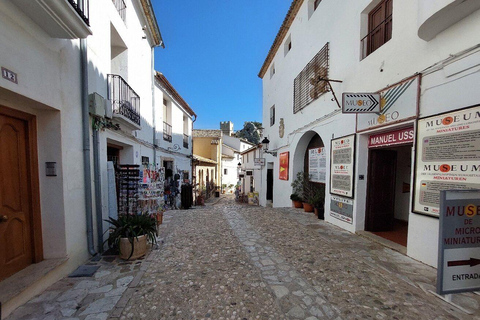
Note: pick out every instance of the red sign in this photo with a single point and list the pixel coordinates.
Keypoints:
(283, 175)
(391, 138)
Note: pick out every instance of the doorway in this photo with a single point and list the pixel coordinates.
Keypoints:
(270, 182)
(388, 193)
(20, 228)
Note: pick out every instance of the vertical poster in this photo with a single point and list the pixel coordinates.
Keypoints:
(317, 165)
(283, 175)
(342, 166)
(447, 157)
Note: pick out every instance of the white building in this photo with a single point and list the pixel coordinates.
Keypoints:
(251, 170)
(232, 147)
(423, 58)
(175, 117)
(59, 58)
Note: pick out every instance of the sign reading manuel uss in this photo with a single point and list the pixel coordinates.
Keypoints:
(459, 242)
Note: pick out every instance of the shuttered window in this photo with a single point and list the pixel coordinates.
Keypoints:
(309, 84)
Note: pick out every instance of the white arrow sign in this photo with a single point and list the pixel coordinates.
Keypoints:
(361, 103)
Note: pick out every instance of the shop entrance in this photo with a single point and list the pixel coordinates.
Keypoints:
(388, 193)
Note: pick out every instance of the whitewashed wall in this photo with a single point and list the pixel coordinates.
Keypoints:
(343, 25)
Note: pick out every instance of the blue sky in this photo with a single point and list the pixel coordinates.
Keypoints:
(213, 52)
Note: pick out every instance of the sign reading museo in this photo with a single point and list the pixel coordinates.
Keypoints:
(459, 242)
(360, 102)
(342, 165)
(448, 157)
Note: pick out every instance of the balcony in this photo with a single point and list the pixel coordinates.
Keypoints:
(121, 8)
(167, 132)
(64, 19)
(124, 101)
(437, 16)
(185, 141)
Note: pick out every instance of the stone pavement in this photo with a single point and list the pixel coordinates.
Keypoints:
(235, 261)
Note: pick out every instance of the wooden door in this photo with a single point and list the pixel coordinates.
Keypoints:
(381, 190)
(16, 249)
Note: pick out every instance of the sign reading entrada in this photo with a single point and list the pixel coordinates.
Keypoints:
(459, 241)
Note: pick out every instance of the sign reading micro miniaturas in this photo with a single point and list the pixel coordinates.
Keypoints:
(459, 242)
(361, 102)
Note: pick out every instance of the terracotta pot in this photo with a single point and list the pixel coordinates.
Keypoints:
(159, 218)
(297, 204)
(307, 207)
(139, 248)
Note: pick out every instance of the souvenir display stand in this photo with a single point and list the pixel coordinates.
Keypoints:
(128, 176)
(151, 192)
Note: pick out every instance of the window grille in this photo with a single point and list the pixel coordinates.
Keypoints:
(308, 85)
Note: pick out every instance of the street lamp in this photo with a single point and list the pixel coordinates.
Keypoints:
(265, 143)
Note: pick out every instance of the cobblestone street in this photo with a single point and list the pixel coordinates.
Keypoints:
(234, 261)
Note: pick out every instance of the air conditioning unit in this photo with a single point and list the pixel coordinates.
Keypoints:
(96, 104)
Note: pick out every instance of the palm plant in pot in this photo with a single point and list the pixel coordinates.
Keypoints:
(317, 199)
(129, 234)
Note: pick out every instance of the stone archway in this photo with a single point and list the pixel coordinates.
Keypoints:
(309, 141)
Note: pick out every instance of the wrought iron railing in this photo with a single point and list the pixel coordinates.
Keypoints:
(185, 141)
(368, 43)
(82, 8)
(125, 101)
(121, 8)
(167, 132)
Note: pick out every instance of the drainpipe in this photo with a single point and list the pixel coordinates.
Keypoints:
(98, 189)
(86, 145)
(153, 110)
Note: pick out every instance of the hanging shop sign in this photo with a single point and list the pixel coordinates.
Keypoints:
(342, 166)
(317, 165)
(283, 175)
(459, 242)
(341, 209)
(259, 161)
(360, 102)
(397, 103)
(391, 138)
(447, 157)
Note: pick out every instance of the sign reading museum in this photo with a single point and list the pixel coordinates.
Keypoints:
(448, 157)
(342, 166)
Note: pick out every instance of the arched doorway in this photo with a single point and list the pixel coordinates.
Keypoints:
(310, 158)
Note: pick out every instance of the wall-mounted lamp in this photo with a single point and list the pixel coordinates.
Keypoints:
(265, 143)
(239, 164)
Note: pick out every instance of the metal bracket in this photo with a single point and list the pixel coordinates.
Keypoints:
(331, 89)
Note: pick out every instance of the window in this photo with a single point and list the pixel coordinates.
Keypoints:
(379, 27)
(288, 45)
(316, 3)
(309, 84)
(167, 120)
(225, 171)
(272, 115)
(145, 161)
(272, 70)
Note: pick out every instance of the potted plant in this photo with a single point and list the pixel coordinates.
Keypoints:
(318, 201)
(129, 234)
(298, 186)
(296, 200)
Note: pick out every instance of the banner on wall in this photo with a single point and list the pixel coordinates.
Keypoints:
(397, 103)
(447, 157)
(317, 165)
(283, 175)
(342, 166)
